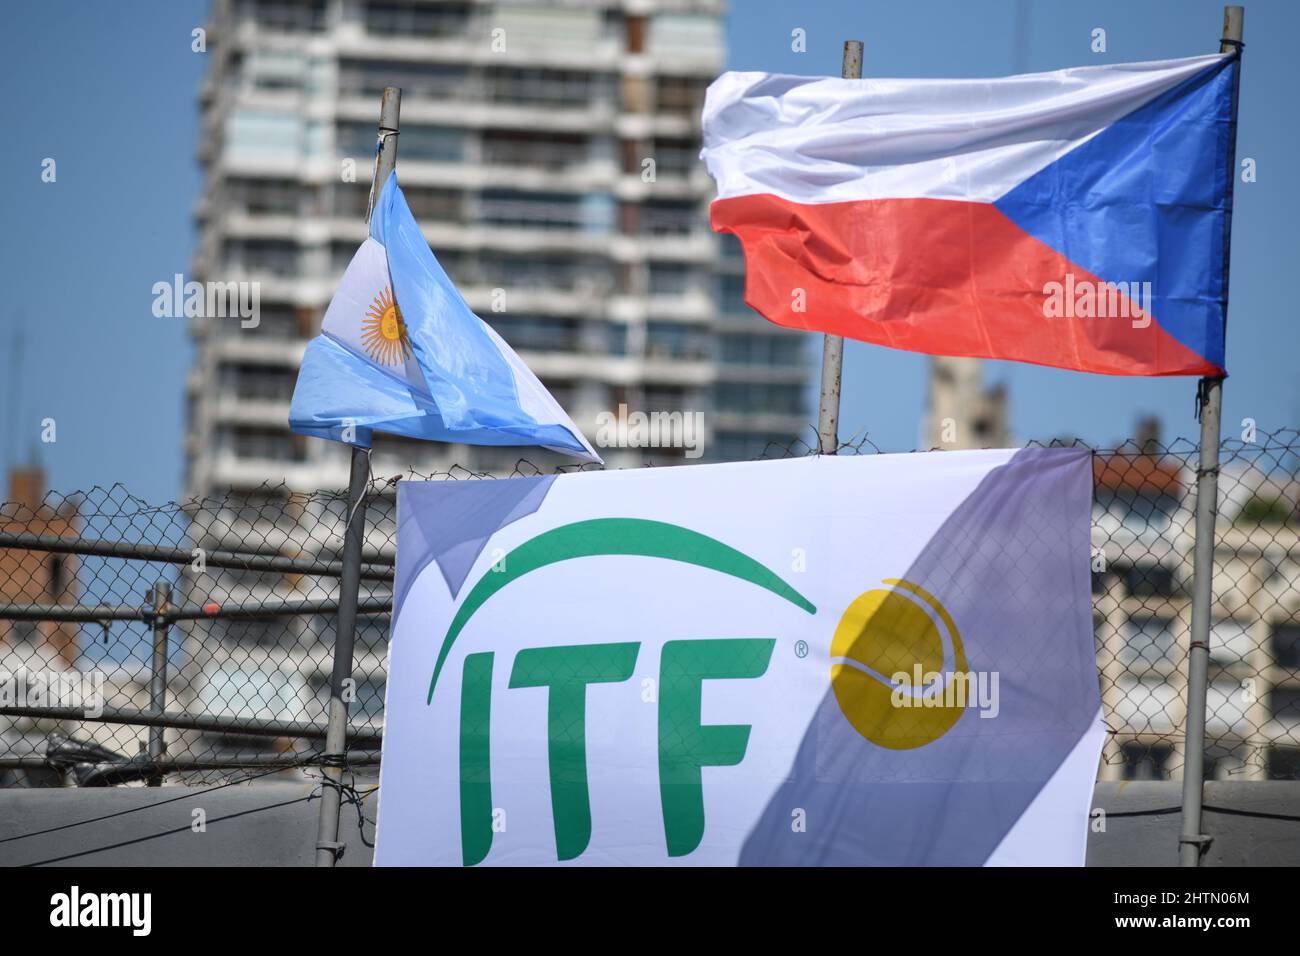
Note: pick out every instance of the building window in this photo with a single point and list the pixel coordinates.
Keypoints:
(541, 87)
(550, 27)
(616, 339)
(502, 270)
(276, 71)
(285, 16)
(277, 257)
(268, 444)
(671, 340)
(407, 18)
(434, 144)
(1285, 703)
(536, 333)
(273, 322)
(1150, 580)
(1284, 763)
(431, 204)
(664, 398)
(417, 80)
(760, 397)
(1148, 639)
(731, 295)
(1146, 761)
(761, 350)
(258, 382)
(668, 218)
(1286, 644)
(511, 207)
(677, 157)
(698, 34)
(264, 197)
(669, 278)
(517, 148)
(263, 132)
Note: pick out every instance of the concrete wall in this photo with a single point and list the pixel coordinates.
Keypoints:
(265, 824)
(1152, 840)
(274, 824)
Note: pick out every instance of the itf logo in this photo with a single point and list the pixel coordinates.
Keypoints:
(899, 673)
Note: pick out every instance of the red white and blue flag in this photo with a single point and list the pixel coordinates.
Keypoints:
(1078, 219)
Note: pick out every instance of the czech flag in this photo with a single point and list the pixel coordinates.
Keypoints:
(1078, 219)
(400, 351)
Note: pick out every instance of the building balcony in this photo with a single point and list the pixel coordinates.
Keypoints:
(773, 374)
(670, 182)
(759, 420)
(228, 408)
(467, 109)
(511, 172)
(224, 469)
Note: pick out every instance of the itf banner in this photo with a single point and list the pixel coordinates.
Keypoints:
(829, 660)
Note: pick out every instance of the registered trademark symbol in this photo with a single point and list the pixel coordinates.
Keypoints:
(800, 648)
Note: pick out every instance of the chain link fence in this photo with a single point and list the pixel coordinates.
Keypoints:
(187, 642)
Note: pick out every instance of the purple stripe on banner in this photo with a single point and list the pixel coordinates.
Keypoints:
(1011, 566)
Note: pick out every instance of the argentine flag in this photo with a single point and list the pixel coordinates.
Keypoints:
(401, 352)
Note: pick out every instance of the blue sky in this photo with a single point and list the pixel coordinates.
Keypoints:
(109, 92)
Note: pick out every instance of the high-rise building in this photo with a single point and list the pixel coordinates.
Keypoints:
(550, 153)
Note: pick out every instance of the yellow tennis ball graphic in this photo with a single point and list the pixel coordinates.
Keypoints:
(883, 632)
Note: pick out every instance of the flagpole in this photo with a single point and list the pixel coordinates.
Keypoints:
(828, 413)
(1209, 397)
(328, 847)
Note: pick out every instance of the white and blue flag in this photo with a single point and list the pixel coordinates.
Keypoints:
(401, 352)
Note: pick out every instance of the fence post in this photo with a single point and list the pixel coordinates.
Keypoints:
(828, 412)
(162, 598)
(1192, 842)
(328, 847)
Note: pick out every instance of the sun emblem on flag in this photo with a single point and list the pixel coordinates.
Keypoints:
(383, 333)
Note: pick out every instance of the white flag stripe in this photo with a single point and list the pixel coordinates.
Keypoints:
(820, 140)
(534, 399)
(364, 281)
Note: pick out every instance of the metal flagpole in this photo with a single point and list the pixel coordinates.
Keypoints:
(1209, 398)
(828, 413)
(328, 847)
